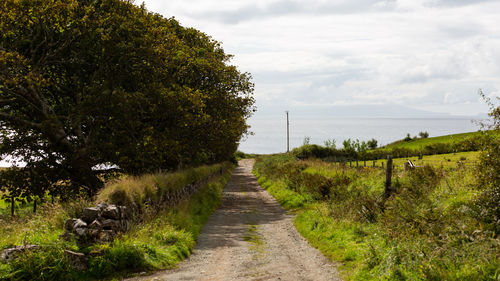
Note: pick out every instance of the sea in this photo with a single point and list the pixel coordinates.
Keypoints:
(269, 134)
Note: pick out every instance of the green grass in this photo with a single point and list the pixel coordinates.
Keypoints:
(158, 239)
(426, 231)
(421, 143)
(450, 160)
(286, 197)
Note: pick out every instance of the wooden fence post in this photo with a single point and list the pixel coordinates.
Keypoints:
(388, 176)
(12, 205)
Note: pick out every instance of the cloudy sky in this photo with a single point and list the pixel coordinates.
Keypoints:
(309, 56)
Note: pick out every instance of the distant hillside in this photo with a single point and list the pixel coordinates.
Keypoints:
(421, 143)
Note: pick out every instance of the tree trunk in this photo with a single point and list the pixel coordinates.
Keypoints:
(34, 205)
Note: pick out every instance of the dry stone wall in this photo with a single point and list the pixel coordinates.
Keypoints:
(105, 221)
(173, 197)
(99, 224)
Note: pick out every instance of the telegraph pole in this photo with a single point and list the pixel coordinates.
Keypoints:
(287, 133)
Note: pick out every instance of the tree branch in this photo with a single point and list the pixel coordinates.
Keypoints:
(18, 120)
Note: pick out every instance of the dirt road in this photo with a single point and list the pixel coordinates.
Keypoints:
(250, 237)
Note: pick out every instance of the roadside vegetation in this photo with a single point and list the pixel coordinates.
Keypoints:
(429, 229)
(159, 237)
(238, 155)
(439, 220)
(108, 85)
(103, 101)
(360, 150)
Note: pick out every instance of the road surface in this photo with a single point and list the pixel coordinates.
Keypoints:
(250, 237)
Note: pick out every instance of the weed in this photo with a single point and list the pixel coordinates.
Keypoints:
(428, 229)
(158, 240)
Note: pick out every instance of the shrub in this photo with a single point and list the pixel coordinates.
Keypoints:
(372, 144)
(423, 135)
(488, 204)
(408, 137)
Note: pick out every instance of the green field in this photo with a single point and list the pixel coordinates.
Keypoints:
(449, 160)
(421, 143)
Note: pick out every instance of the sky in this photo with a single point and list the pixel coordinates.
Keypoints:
(313, 56)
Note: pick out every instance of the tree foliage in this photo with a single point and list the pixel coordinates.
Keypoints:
(91, 82)
(356, 146)
(423, 135)
(372, 144)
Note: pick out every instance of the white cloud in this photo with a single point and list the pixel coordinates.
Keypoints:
(426, 54)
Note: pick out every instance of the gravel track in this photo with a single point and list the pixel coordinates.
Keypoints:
(250, 237)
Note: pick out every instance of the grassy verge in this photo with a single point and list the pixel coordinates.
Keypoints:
(158, 239)
(427, 230)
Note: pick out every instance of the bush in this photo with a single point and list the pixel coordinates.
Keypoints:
(488, 204)
(423, 135)
(321, 152)
(372, 144)
(408, 137)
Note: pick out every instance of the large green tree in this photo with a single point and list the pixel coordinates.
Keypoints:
(90, 82)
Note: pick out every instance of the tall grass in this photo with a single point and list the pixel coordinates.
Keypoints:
(426, 230)
(138, 191)
(159, 239)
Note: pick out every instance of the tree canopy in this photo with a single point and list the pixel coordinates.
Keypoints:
(91, 82)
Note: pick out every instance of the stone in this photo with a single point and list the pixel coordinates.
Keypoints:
(111, 212)
(124, 212)
(69, 224)
(79, 224)
(80, 231)
(110, 224)
(125, 225)
(106, 235)
(101, 223)
(93, 233)
(90, 214)
(10, 254)
(101, 206)
(77, 261)
(95, 225)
